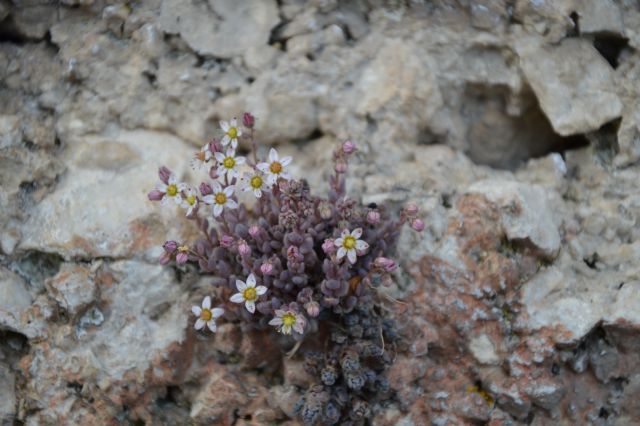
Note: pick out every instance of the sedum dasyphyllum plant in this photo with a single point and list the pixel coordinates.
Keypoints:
(298, 264)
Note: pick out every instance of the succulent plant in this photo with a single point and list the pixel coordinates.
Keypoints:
(294, 262)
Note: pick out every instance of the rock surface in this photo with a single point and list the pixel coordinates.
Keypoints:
(514, 125)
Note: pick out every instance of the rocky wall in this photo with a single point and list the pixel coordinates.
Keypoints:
(515, 124)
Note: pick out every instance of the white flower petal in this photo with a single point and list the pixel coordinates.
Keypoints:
(251, 281)
(240, 160)
(273, 155)
(228, 191)
(285, 161)
(234, 143)
(351, 255)
(225, 140)
(208, 199)
(286, 329)
(237, 298)
(299, 327)
(206, 303)
(231, 204)
(219, 157)
(344, 233)
(361, 245)
(177, 199)
(212, 326)
(216, 187)
(250, 305)
(240, 285)
(173, 180)
(224, 125)
(276, 321)
(217, 209)
(161, 187)
(217, 312)
(199, 324)
(263, 167)
(257, 193)
(260, 290)
(196, 310)
(338, 242)
(234, 122)
(356, 233)
(341, 252)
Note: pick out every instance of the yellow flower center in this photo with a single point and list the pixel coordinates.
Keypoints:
(221, 198)
(275, 167)
(183, 249)
(232, 132)
(256, 182)
(172, 190)
(250, 294)
(191, 199)
(229, 162)
(206, 314)
(288, 319)
(349, 242)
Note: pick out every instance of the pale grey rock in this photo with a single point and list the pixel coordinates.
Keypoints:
(104, 195)
(574, 102)
(15, 301)
(525, 210)
(10, 131)
(599, 16)
(545, 393)
(8, 407)
(72, 287)
(484, 350)
(211, 27)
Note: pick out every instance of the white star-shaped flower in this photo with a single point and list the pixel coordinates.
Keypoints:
(206, 315)
(254, 182)
(190, 200)
(275, 167)
(285, 320)
(248, 293)
(349, 244)
(172, 190)
(220, 198)
(231, 132)
(228, 163)
(201, 158)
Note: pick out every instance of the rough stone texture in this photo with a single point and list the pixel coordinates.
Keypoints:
(519, 303)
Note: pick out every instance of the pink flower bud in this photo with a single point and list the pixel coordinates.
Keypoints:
(313, 309)
(340, 167)
(164, 174)
(328, 246)
(170, 246)
(266, 268)
(244, 249)
(214, 146)
(254, 230)
(155, 195)
(183, 255)
(349, 147)
(248, 120)
(411, 209)
(417, 225)
(387, 264)
(226, 241)
(205, 189)
(182, 258)
(213, 173)
(373, 217)
(164, 258)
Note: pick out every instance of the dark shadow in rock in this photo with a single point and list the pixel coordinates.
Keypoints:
(610, 46)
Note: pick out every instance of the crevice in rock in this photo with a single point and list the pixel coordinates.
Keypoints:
(36, 267)
(610, 46)
(496, 120)
(275, 38)
(605, 141)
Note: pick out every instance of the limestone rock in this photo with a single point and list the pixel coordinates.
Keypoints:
(484, 350)
(105, 193)
(211, 28)
(574, 102)
(15, 301)
(73, 288)
(526, 212)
